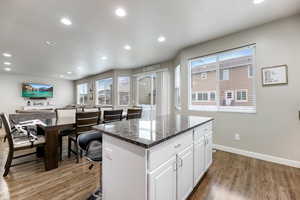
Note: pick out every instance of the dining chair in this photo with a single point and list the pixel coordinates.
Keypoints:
(93, 109)
(18, 141)
(133, 113)
(84, 123)
(112, 115)
(61, 113)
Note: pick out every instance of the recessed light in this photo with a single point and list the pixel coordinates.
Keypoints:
(7, 69)
(66, 21)
(120, 12)
(50, 43)
(69, 72)
(8, 55)
(127, 47)
(161, 39)
(7, 63)
(258, 1)
(103, 58)
(61, 76)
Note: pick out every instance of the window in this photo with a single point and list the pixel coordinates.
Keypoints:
(124, 90)
(82, 93)
(204, 96)
(104, 91)
(147, 90)
(224, 74)
(204, 75)
(242, 95)
(212, 96)
(229, 83)
(177, 87)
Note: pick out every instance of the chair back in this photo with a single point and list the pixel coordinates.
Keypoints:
(133, 113)
(60, 113)
(85, 120)
(91, 109)
(112, 115)
(8, 130)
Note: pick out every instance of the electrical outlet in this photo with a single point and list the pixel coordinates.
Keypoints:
(237, 137)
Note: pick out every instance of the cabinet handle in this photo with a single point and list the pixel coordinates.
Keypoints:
(180, 162)
(175, 166)
(177, 146)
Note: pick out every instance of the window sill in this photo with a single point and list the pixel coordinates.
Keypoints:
(250, 110)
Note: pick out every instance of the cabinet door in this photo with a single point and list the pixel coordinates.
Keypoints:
(199, 159)
(208, 150)
(185, 178)
(162, 181)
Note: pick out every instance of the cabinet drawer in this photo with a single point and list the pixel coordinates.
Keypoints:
(202, 130)
(162, 152)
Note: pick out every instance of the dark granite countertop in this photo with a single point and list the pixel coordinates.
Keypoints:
(148, 132)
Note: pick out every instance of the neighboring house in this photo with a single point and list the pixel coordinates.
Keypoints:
(235, 82)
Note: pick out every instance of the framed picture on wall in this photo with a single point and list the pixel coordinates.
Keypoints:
(276, 75)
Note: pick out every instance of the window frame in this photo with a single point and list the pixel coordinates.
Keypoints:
(177, 105)
(205, 75)
(96, 91)
(218, 107)
(228, 73)
(236, 95)
(129, 91)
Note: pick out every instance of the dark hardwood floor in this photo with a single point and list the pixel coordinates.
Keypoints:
(231, 177)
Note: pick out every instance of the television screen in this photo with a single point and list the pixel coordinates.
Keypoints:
(33, 90)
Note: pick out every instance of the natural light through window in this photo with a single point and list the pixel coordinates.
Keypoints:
(228, 83)
(124, 90)
(82, 93)
(104, 91)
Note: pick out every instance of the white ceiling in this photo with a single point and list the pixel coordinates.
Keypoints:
(25, 26)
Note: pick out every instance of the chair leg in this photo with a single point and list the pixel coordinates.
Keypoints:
(69, 147)
(77, 152)
(8, 163)
(60, 147)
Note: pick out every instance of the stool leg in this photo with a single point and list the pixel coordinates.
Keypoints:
(77, 152)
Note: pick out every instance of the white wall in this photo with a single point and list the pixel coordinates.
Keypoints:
(11, 88)
(275, 128)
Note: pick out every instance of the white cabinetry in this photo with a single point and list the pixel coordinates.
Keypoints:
(162, 181)
(167, 171)
(185, 173)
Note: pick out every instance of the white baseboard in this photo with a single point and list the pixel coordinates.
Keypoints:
(278, 160)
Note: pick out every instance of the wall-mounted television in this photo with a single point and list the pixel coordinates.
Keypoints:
(37, 91)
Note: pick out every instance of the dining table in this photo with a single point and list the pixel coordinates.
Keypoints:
(50, 126)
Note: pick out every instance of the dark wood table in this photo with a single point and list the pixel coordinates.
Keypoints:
(51, 129)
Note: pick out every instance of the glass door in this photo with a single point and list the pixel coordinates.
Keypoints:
(146, 92)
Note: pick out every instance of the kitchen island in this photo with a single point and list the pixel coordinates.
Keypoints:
(159, 158)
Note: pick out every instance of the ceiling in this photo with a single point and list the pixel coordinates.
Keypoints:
(96, 31)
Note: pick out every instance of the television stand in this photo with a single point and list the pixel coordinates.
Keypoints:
(50, 107)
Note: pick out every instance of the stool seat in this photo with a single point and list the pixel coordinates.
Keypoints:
(86, 137)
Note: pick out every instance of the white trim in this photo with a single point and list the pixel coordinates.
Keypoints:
(235, 109)
(150, 72)
(260, 156)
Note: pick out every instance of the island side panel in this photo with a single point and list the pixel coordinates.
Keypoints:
(124, 170)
